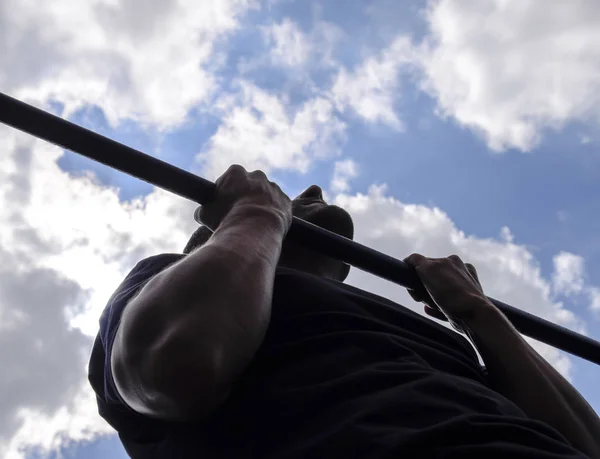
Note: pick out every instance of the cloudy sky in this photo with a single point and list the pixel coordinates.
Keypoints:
(443, 127)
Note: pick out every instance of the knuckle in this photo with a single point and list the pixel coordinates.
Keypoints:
(414, 258)
(473, 271)
(437, 265)
(236, 169)
(259, 176)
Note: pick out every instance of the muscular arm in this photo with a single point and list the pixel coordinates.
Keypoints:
(518, 372)
(193, 328)
(515, 369)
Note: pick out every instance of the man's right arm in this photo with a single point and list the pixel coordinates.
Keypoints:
(194, 327)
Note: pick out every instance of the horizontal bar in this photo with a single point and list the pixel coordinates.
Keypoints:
(75, 138)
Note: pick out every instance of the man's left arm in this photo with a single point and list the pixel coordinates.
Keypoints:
(514, 368)
(519, 373)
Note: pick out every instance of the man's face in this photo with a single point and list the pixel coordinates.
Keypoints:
(311, 207)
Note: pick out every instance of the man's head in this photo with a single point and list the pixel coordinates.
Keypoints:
(311, 207)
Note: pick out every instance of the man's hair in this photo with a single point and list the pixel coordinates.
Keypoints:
(200, 236)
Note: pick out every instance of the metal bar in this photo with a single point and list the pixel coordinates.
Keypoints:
(185, 184)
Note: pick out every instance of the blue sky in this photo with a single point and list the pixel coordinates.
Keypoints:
(454, 128)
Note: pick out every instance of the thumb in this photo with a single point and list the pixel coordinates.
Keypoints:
(206, 215)
(421, 295)
(197, 215)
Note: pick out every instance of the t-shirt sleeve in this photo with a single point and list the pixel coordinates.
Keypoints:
(111, 406)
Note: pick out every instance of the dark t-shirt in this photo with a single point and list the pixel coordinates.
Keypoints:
(342, 373)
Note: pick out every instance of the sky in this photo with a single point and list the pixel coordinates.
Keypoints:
(442, 126)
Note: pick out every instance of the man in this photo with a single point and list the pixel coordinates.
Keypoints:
(251, 347)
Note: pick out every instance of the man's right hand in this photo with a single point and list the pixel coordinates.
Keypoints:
(194, 327)
(238, 188)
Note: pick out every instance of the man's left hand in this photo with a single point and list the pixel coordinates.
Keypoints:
(454, 292)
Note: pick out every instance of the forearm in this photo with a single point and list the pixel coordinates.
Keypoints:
(198, 324)
(518, 372)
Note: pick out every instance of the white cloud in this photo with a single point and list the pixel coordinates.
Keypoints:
(260, 130)
(45, 431)
(148, 61)
(507, 271)
(569, 278)
(569, 272)
(372, 88)
(511, 68)
(289, 45)
(506, 234)
(67, 243)
(343, 172)
(594, 295)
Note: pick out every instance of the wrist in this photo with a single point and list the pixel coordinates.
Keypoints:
(490, 329)
(268, 217)
(485, 315)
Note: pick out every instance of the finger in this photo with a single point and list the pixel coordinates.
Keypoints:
(233, 171)
(415, 260)
(422, 296)
(259, 174)
(473, 272)
(236, 169)
(197, 214)
(456, 260)
(436, 313)
(201, 216)
(278, 188)
(416, 295)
